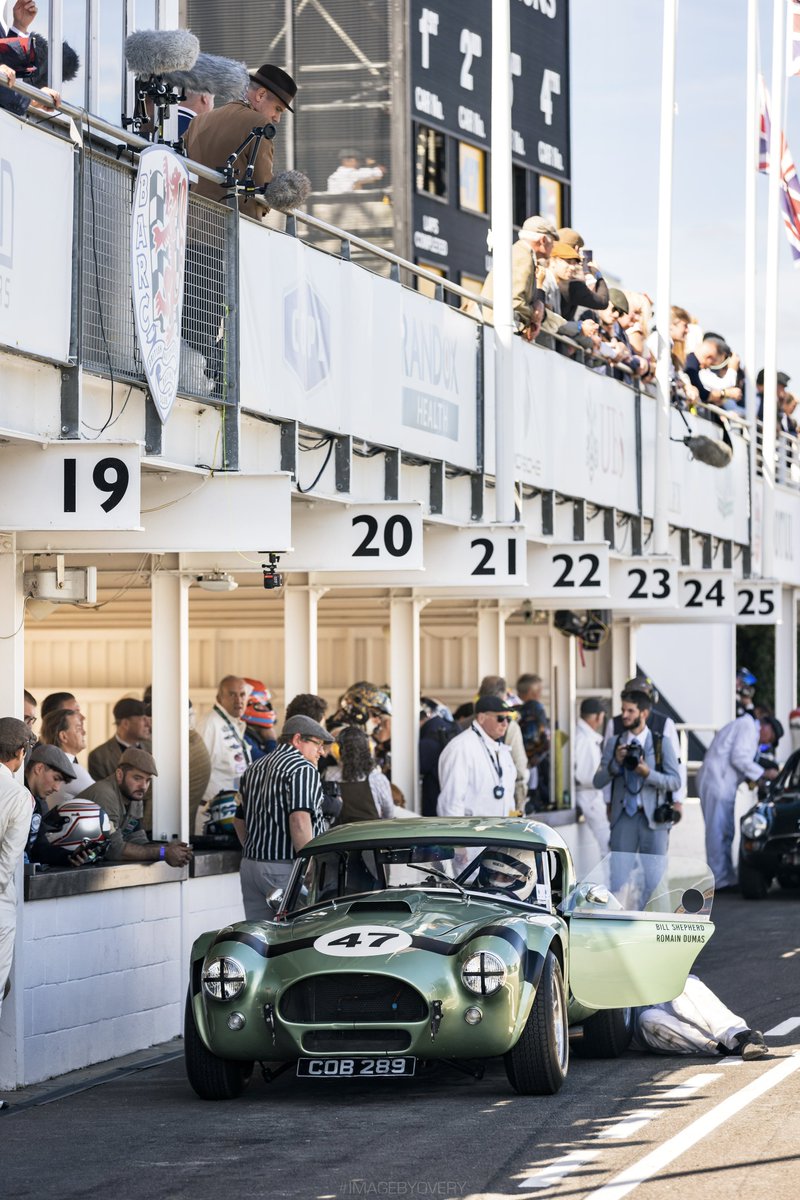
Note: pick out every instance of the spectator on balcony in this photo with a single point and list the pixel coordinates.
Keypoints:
(25, 58)
(122, 796)
(64, 728)
(783, 380)
(132, 719)
(613, 344)
(350, 176)
(707, 367)
(531, 250)
(580, 284)
(565, 269)
(638, 329)
(680, 320)
(211, 138)
(193, 104)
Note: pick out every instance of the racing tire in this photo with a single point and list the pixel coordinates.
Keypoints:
(537, 1065)
(605, 1035)
(213, 1078)
(754, 883)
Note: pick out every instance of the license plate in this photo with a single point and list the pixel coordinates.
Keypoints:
(351, 1068)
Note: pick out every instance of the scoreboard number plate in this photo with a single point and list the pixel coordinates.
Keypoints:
(572, 571)
(706, 593)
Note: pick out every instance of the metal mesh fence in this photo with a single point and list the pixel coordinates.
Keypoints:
(108, 332)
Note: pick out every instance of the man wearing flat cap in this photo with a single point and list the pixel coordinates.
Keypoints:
(46, 769)
(476, 771)
(132, 719)
(212, 137)
(536, 238)
(122, 797)
(280, 810)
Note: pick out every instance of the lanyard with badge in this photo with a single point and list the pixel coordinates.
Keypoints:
(242, 743)
(499, 790)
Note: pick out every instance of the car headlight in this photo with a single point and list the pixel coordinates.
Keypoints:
(755, 825)
(483, 973)
(223, 978)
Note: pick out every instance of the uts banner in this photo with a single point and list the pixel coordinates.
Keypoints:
(158, 252)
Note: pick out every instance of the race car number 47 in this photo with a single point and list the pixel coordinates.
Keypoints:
(350, 1068)
(362, 941)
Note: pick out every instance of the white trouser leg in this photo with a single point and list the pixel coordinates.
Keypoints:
(594, 810)
(6, 952)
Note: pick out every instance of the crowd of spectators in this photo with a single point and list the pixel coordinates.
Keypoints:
(562, 298)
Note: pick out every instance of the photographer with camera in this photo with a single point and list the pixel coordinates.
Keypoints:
(642, 769)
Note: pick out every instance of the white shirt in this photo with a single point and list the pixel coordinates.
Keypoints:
(471, 766)
(227, 749)
(16, 809)
(71, 788)
(344, 179)
(730, 759)
(586, 760)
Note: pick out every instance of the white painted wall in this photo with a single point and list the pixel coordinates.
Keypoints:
(694, 666)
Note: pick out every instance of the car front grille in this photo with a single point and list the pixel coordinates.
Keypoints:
(355, 1041)
(363, 999)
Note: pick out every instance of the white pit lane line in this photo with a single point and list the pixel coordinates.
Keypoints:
(784, 1028)
(674, 1147)
(549, 1176)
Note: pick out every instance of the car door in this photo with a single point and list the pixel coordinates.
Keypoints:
(636, 925)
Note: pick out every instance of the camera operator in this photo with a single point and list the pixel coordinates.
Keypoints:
(642, 768)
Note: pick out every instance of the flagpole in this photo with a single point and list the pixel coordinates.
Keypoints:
(663, 280)
(502, 239)
(770, 414)
(750, 271)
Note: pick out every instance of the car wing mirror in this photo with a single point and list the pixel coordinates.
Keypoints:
(275, 900)
(597, 894)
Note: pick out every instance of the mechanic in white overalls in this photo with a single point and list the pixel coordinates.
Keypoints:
(729, 761)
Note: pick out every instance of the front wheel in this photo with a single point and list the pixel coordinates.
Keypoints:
(213, 1078)
(754, 883)
(537, 1064)
(605, 1035)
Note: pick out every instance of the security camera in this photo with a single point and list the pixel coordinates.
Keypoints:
(272, 576)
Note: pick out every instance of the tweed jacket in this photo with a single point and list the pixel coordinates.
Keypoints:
(212, 137)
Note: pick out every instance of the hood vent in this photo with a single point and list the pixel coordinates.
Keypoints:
(380, 907)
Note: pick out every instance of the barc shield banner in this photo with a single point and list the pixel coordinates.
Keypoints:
(158, 252)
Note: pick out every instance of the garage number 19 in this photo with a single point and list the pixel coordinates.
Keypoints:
(110, 477)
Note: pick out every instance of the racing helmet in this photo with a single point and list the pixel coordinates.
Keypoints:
(430, 707)
(221, 812)
(73, 824)
(361, 701)
(642, 683)
(509, 869)
(259, 710)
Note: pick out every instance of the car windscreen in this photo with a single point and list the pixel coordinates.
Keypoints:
(503, 871)
(643, 883)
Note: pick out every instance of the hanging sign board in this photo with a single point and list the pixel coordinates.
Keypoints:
(568, 571)
(758, 602)
(70, 485)
(158, 253)
(355, 537)
(644, 584)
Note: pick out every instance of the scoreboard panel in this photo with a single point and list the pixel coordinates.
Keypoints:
(450, 73)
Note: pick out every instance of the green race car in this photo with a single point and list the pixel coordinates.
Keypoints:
(401, 942)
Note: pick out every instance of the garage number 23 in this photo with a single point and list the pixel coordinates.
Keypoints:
(362, 941)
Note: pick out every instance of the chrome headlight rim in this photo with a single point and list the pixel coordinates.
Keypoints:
(755, 825)
(223, 978)
(483, 973)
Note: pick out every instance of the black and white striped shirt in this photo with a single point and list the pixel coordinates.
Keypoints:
(272, 788)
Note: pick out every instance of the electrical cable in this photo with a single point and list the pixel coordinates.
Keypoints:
(321, 471)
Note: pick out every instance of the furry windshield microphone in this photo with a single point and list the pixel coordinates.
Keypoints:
(222, 77)
(706, 450)
(288, 190)
(160, 51)
(70, 62)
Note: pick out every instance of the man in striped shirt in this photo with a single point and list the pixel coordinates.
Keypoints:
(281, 810)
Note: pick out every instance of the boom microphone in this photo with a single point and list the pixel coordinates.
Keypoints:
(222, 77)
(707, 450)
(288, 190)
(160, 51)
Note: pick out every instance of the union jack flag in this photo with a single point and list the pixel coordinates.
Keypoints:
(793, 39)
(790, 185)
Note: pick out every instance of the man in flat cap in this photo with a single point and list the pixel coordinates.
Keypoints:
(212, 137)
(122, 797)
(132, 719)
(536, 238)
(281, 810)
(46, 769)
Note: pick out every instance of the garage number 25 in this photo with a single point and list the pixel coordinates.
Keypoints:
(362, 941)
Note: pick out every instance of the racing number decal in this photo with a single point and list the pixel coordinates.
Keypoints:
(362, 941)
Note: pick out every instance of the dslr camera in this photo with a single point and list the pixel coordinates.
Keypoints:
(633, 756)
(666, 813)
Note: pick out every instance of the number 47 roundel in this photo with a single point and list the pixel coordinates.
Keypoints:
(362, 941)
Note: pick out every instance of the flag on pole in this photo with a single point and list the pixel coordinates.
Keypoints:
(790, 184)
(793, 39)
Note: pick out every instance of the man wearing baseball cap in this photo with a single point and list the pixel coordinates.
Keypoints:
(536, 238)
(132, 719)
(122, 796)
(281, 810)
(476, 770)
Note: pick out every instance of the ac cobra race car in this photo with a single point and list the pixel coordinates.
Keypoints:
(400, 942)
